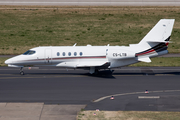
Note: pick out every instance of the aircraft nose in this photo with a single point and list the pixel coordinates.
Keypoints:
(8, 61)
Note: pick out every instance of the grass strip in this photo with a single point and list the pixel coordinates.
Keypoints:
(127, 115)
(160, 62)
(23, 28)
(2, 60)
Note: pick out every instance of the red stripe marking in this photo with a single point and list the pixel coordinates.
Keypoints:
(91, 57)
(167, 43)
(80, 57)
(146, 52)
(151, 53)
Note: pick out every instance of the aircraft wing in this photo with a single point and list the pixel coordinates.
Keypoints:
(101, 64)
(93, 64)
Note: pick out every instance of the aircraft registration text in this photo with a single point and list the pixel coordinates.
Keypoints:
(119, 54)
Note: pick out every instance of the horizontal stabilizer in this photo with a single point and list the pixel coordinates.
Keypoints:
(156, 41)
(144, 59)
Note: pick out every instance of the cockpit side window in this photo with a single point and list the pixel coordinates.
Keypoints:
(29, 52)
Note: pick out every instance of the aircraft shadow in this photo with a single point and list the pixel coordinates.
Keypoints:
(101, 74)
(104, 74)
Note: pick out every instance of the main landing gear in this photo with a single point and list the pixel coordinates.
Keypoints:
(21, 71)
(94, 71)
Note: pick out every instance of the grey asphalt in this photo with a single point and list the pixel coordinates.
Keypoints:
(162, 101)
(61, 86)
(93, 2)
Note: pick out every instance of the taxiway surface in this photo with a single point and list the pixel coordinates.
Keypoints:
(61, 86)
(93, 2)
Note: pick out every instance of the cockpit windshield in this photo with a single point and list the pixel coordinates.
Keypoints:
(29, 52)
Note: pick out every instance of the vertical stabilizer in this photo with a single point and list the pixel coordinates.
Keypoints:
(156, 42)
(161, 32)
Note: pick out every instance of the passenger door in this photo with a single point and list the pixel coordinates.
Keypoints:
(48, 56)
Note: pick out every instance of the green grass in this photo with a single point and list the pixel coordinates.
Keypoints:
(128, 115)
(158, 61)
(22, 29)
(161, 61)
(2, 60)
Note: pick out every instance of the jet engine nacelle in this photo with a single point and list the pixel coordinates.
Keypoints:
(120, 54)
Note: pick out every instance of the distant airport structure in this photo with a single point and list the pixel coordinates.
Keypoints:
(93, 2)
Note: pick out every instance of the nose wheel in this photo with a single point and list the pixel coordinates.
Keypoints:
(21, 71)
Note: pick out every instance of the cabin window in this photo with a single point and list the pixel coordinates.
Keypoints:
(64, 53)
(69, 53)
(75, 53)
(29, 52)
(80, 53)
(58, 53)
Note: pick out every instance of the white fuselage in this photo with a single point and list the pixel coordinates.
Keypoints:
(155, 43)
(77, 57)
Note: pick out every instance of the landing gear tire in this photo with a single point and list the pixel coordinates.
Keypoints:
(21, 73)
(96, 72)
(112, 71)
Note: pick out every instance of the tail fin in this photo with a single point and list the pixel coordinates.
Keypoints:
(161, 32)
(156, 41)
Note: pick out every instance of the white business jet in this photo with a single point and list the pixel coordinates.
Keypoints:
(95, 58)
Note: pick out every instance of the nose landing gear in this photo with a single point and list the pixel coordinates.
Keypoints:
(21, 71)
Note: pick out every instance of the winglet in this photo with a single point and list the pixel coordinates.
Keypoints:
(144, 59)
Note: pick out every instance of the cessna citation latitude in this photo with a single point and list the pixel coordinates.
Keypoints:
(95, 58)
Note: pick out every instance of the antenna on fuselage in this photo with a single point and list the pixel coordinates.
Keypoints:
(74, 45)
